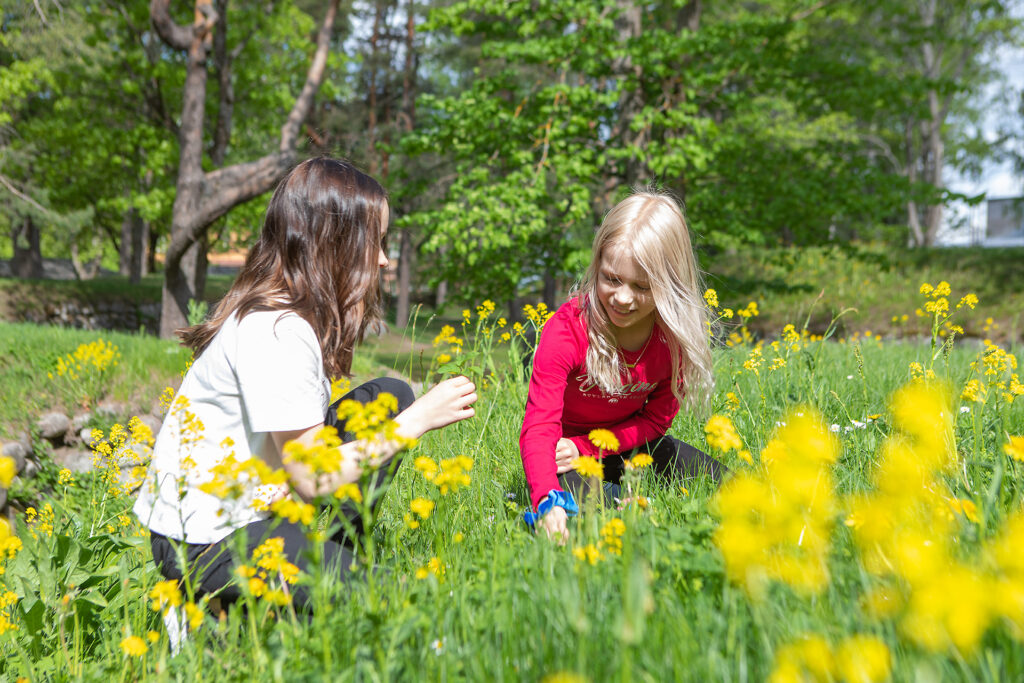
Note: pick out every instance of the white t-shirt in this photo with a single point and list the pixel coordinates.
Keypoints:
(263, 374)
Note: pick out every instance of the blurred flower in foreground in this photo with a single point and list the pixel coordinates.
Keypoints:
(776, 521)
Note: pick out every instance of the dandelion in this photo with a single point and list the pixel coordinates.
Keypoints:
(134, 646)
(863, 659)
(604, 439)
(421, 507)
(589, 553)
(965, 507)
(721, 434)
(640, 460)
(1015, 448)
(589, 467)
(611, 535)
(7, 471)
(165, 595)
(194, 614)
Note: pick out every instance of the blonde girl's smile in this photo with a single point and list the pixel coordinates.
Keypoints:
(624, 290)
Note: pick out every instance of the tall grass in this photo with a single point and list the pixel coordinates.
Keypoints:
(495, 602)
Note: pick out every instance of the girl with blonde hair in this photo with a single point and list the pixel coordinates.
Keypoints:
(623, 354)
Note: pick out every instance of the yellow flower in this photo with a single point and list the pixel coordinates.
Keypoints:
(641, 460)
(863, 659)
(165, 595)
(7, 471)
(589, 553)
(604, 439)
(589, 467)
(711, 296)
(926, 289)
(965, 507)
(422, 507)
(721, 434)
(349, 492)
(1015, 448)
(153, 636)
(194, 615)
(134, 646)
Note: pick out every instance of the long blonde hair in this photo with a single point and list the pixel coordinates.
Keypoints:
(651, 225)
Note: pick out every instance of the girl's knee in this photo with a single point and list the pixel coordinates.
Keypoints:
(397, 388)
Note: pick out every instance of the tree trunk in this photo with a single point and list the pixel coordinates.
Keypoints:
(27, 261)
(406, 251)
(403, 305)
(86, 270)
(203, 197)
(550, 289)
(133, 246)
(631, 97)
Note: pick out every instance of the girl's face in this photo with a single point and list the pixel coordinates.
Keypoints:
(624, 289)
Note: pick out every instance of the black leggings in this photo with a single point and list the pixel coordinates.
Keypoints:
(672, 458)
(212, 566)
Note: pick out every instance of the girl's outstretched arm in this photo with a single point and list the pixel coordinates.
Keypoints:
(447, 402)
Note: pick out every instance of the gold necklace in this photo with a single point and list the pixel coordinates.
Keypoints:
(639, 355)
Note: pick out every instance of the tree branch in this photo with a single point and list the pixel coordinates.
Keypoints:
(304, 102)
(175, 35)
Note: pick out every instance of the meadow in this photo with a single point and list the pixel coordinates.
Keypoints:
(870, 529)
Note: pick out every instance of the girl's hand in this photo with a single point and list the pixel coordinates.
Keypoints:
(447, 402)
(565, 455)
(554, 525)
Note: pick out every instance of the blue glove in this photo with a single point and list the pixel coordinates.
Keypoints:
(562, 499)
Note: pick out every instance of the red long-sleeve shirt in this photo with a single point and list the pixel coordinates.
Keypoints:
(564, 402)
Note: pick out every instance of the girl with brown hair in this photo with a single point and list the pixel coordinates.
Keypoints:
(261, 378)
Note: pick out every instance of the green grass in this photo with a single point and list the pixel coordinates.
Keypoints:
(513, 607)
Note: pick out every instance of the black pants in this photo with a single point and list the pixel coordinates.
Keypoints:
(672, 458)
(212, 566)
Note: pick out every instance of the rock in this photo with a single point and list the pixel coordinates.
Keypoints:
(53, 426)
(31, 469)
(17, 452)
(111, 409)
(86, 436)
(3, 498)
(80, 421)
(73, 459)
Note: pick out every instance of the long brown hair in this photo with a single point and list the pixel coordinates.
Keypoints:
(317, 256)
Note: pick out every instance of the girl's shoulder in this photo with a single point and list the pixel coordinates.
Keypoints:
(272, 323)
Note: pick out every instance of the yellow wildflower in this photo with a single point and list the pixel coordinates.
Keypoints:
(641, 460)
(589, 553)
(604, 439)
(589, 467)
(721, 434)
(711, 296)
(165, 595)
(194, 614)
(349, 492)
(134, 646)
(863, 659)
(422, 507)
(7, 471)
(1015, 448)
